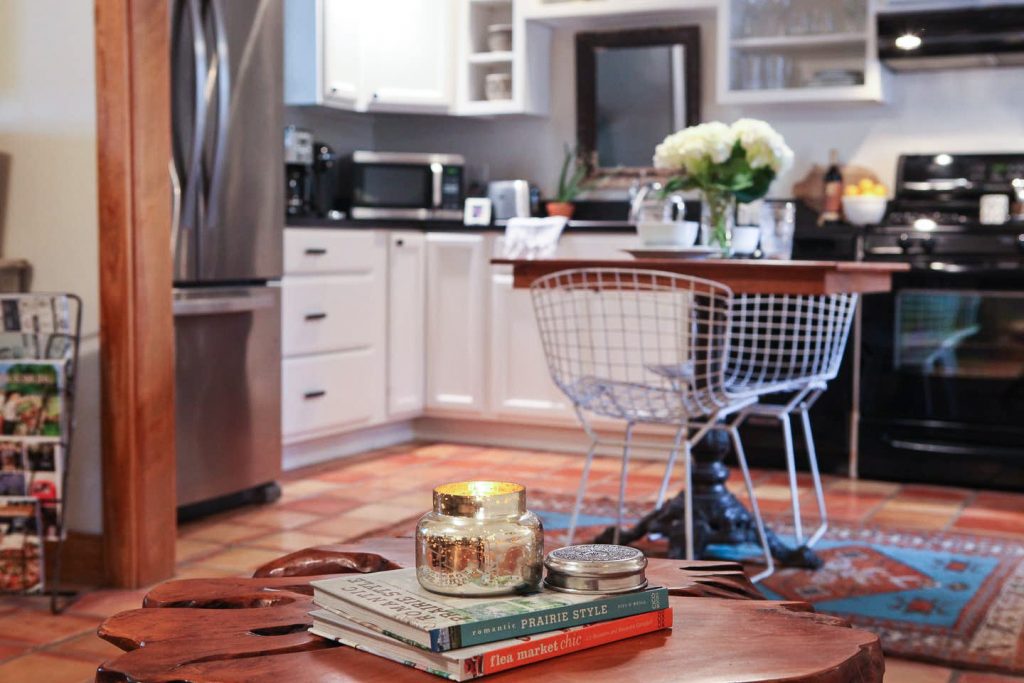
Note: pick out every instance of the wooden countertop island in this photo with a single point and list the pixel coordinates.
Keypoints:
(742, 276)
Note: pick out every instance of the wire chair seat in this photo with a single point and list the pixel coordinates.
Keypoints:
(643, 402)
(645, 347)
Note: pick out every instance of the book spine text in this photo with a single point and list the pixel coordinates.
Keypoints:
(501, 628)
(572, 641)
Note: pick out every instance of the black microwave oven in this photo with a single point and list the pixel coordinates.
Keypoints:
(398, 185)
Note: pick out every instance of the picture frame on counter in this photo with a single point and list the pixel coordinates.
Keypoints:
(477, 211)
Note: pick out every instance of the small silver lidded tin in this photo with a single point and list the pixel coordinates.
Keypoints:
(595, 568)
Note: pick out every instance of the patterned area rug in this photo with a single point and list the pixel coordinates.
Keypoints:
(953, 599)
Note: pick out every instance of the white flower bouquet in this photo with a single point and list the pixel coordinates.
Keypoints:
(726, 163)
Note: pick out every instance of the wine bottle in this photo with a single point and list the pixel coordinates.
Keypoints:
(833, 189)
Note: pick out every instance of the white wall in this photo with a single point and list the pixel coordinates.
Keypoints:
(48, 214)
(973, 110)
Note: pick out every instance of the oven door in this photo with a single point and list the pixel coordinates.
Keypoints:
(943, 383)
(393, 190)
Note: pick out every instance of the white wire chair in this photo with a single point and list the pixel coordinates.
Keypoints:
(789, 345)
(646, 347)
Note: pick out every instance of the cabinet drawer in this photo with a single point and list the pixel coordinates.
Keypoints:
(332, 313)
(331, 393)
(309, 251)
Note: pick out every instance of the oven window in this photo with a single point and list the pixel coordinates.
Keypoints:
(960, 334)
(386, 186)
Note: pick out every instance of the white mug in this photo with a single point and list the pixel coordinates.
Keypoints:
(995, 209)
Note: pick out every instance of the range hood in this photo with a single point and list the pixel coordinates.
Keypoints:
(969, 37)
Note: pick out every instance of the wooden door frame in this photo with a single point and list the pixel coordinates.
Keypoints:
(136, 321)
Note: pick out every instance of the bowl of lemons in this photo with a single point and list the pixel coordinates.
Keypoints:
(864, 202)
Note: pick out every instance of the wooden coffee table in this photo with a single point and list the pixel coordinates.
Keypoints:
(254, 630)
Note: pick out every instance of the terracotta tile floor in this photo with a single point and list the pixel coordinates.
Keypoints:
(343, 500)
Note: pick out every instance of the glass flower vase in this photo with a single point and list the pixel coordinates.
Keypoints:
(717, 219)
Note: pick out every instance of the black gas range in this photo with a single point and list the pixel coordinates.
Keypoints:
(942, 381)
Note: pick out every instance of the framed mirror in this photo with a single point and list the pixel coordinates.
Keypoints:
(633, 88)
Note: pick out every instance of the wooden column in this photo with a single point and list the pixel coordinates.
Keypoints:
(137, 327)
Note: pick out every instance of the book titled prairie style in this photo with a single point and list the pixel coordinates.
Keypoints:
(394, 603)
(480, 660)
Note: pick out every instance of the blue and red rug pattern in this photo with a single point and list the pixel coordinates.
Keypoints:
(949, 598)
(955, 599)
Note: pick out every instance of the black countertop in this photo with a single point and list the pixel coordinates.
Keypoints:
(444, 226)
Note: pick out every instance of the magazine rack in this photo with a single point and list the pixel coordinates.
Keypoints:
(39, 345)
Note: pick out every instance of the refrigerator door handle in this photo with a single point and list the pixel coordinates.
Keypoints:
(217, 305)
(199, 131)
(172, 170)
(223, 84)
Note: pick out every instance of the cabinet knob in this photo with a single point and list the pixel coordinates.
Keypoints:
(399, 243)
(376, 96)
(310, 395)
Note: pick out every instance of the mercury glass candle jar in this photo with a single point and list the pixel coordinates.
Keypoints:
(479, 540)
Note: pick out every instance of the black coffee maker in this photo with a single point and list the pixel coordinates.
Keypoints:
(324, 198)
(298, 160)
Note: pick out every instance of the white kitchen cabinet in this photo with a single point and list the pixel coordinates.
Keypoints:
(407, 260)
(334, 331)
(779, 53)
(331, 393)
(520, 385)
(317, 313)
(342, 57)
(457, 280)
(385, 55)
(528, 63)
(407, 55)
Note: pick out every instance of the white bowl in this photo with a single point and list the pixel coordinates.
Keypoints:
(745, 239)
(675, 234)
(867, 210)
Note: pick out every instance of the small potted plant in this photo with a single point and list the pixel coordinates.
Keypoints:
(570, 182)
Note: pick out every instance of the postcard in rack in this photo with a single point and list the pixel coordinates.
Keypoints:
(21, 556)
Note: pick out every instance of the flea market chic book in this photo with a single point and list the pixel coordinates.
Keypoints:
(480, 660)
(394, 603)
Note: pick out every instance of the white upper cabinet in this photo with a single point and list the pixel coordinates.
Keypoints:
(504, 61)
(798, 51)
(407, 54)
(342, 58)
(384, 55)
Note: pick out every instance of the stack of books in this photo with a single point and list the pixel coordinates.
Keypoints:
(389, 615)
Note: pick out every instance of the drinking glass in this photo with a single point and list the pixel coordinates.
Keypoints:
(777, 72)
(778, 222)
(752, 66)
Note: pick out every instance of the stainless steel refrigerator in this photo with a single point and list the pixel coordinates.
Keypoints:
(227, 174)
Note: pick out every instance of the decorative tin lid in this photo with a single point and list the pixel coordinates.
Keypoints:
(595, 568)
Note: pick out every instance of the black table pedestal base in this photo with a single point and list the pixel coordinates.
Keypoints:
(718, 517)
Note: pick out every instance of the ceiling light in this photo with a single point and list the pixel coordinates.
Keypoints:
(908, 41)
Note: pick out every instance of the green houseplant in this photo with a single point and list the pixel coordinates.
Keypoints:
(570, 182)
